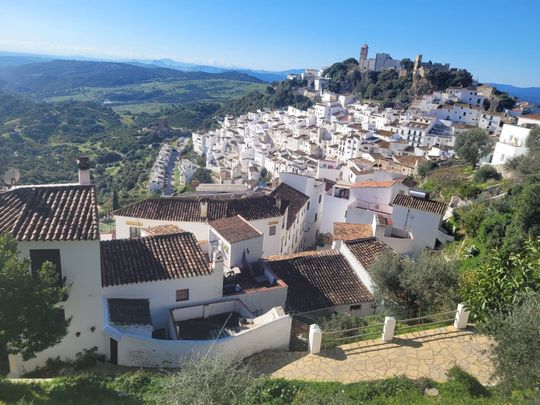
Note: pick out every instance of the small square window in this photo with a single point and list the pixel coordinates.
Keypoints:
(182, 295)
(272, 230)
(134, 232)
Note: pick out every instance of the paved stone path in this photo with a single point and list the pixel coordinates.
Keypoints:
(421, 354)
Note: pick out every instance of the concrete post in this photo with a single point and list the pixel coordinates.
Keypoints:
(315, 339)
(462, 317)
(389, 328)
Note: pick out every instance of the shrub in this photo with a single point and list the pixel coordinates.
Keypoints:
(485, 173)
(342, 321)
(516, 349)
(426, 167)
(472, 217)
(207, 381)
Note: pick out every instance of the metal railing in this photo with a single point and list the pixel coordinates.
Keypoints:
(400, 327)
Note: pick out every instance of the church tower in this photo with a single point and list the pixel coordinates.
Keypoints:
(363, 62)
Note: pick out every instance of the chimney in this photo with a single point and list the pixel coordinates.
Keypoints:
(83, 164)
(217, 261)
(278, 203)
(204, 209)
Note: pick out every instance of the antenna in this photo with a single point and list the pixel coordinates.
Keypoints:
(12, 176)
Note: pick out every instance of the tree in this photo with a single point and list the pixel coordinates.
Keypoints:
(427, 284)
(115, 202)
(202, 175)
(426, 167)
(473, 144)
(30, 320)
(485, 173)
(516, 349)
(502, 281)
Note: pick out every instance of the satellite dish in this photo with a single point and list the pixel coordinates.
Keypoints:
(12, 176)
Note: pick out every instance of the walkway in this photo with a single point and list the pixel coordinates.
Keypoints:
(421, 354)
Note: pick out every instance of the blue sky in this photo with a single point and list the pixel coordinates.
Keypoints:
(496, 40)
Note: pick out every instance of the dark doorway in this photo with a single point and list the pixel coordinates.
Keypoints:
(114, 351)
(4, 361)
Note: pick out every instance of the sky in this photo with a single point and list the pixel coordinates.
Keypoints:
(497, 41)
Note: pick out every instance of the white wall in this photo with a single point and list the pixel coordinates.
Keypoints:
(80, 263)
(423, 225)
(137, 351)
(199, 229)
(162, 294)
(271, 244)
(334, 210)
(262, 300)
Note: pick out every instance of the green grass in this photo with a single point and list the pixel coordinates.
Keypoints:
(142, 387)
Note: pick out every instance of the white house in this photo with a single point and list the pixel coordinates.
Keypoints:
(192, 214)
(512, 143)
(59, 224)
(315, 190)
(416, 214)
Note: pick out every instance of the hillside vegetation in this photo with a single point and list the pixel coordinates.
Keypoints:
(43, 141)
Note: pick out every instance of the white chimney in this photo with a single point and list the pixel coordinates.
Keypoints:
(83, 164)
(204, 209)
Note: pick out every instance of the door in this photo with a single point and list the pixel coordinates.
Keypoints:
(114, 351)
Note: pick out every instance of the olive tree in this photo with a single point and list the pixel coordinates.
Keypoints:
(472, 144)
(515, 351)
(30, 320)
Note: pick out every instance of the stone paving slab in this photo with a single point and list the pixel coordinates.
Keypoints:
(421, 354)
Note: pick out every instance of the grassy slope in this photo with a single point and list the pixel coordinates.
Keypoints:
(146, 388)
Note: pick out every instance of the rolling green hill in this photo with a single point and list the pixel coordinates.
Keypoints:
(123, 86)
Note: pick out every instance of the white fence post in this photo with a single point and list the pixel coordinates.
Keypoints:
(462, 317)
(315, 339)
(389, 328)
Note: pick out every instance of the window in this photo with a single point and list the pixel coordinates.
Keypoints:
(308, 205)
(272, 230)
(355, 307)
(182, 295)
(134, 232)
(40, 256)
(315, 217)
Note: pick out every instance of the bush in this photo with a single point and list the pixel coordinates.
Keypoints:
(472, 217)
(516, 349)
(426, 167)
(207, 381)
(485, 173)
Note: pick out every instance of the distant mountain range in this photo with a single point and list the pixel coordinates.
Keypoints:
(16, 59)
(530, 94)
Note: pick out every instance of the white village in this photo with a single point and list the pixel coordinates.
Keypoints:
(301, 205)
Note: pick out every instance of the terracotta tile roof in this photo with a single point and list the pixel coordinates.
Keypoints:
(531, 116)
(293, 198)
(421, 204)
(318, 279)
(47, 213)
(410, 161)
(162, 230)
(328, 184)
(235, 229)
(189, 209)
(126, 312)
(375, 184)
(345, 231)
(152, 258)
(366, 250)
